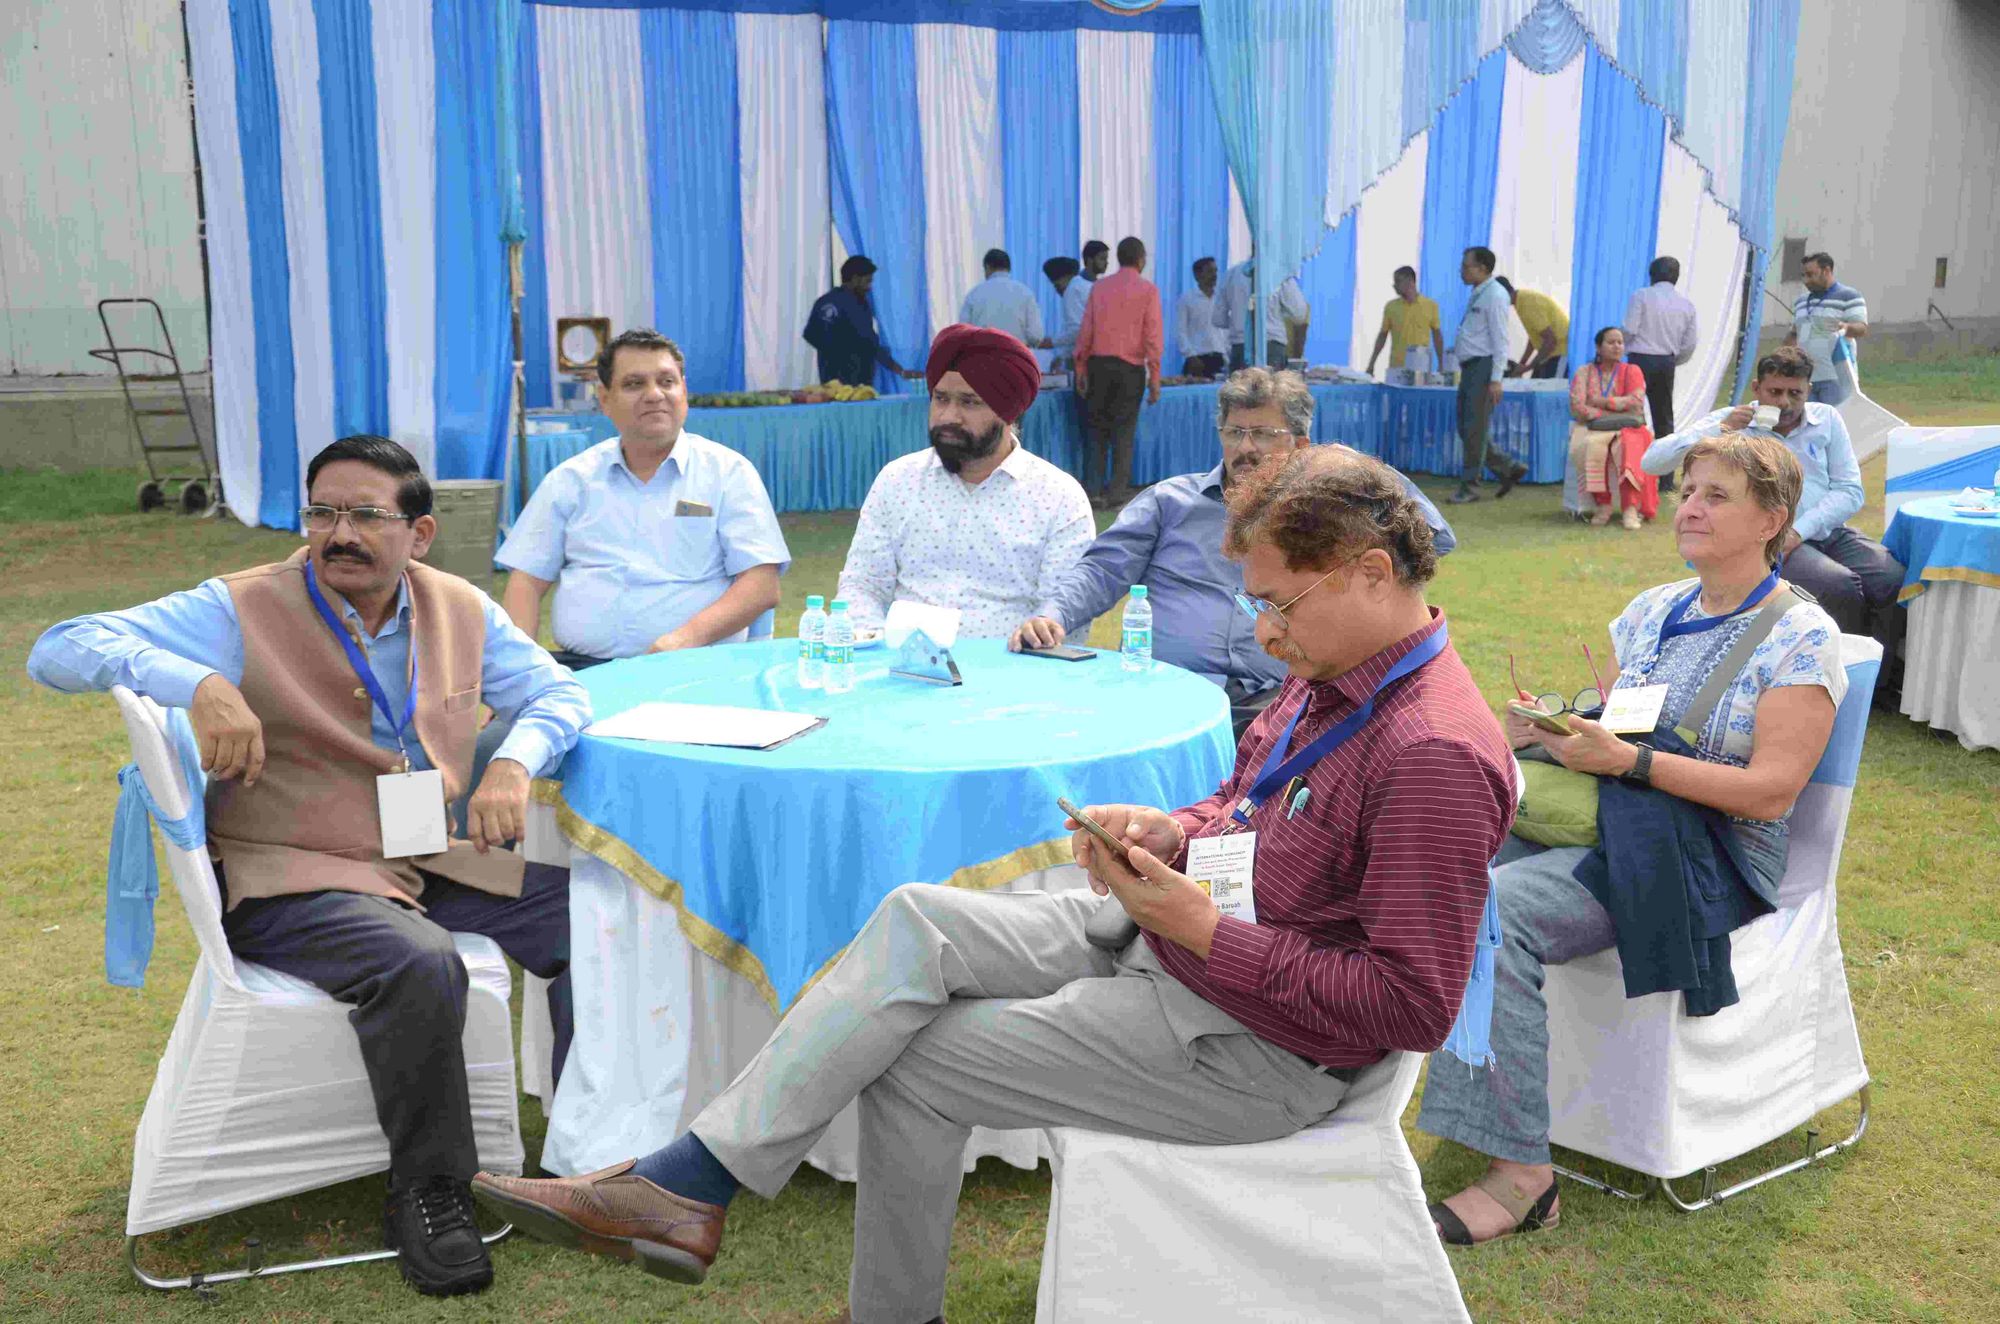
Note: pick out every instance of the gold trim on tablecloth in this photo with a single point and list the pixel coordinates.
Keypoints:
(719, 946)
(1956, 573)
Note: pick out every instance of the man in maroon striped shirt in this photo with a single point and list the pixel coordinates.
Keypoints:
(954, 1009)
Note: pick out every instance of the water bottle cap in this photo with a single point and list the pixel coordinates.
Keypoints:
(814, 602)
(1138, 590)
(840, 604)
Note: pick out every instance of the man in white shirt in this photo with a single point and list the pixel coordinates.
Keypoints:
(1005, 304)
(1204, 346)
(1287, 316)
(1481, 346)
(1073, 282)
(975, 522)
(1659, 337)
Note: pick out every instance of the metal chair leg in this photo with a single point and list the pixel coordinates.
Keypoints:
(255, 1268)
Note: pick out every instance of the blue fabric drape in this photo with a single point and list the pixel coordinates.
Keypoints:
(356, 294)
(1652, 47)
(507, 19)
(1270, 62)
(1328, 282)
(1548, 38)
(1774, 41)
(474, 332)
(1440, 47)
(132, 878)
(1460, 174)
(1039, 157)
(877, 168)
(259, 135)
(1191, 178)
(1619, 146)
(694, 165)
(537, 329)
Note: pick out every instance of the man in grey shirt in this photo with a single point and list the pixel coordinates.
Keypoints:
(1481, 339)
(1169, 538)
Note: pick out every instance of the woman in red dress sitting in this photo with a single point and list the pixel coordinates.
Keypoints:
(1606, 458)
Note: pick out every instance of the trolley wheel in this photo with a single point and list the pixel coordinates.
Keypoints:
(194, 499)
(150, 497)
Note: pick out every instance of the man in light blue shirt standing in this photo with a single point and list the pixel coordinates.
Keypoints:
(655, 540)
(1169, 538)
(1480, 344)
(1854, 578)
(1827, 318)
(1005, 304)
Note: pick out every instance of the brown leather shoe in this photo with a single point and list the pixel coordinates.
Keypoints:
(611, 1212)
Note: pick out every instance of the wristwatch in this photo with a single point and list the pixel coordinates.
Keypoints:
(1641, 773)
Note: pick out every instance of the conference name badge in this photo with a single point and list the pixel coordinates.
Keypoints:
(1633, 710)
(412, 807)
(1221, 866)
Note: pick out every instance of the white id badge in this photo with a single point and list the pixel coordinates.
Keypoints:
(412, 808)
(1221, 866)
(1633, 710)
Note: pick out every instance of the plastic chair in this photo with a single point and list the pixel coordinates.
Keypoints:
(1327, 1224)
(261, 1092)
(1637, 1083)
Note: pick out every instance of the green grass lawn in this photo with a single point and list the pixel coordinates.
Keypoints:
(1902, 1228)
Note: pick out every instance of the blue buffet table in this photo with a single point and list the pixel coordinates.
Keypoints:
(824, 457)
(710, 887)
(1951, 588)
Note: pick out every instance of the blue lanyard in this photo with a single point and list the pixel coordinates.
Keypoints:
(1673, 628)
(1278, 769)
(359, 661)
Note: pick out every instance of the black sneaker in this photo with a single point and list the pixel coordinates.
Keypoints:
(1514, 475)
(1466, 492)
(428, 1222)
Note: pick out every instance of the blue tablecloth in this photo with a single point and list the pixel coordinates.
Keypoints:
(776, 857)
(1934, 543)
(824, 457)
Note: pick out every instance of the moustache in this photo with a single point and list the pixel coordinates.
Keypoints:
(344, 553)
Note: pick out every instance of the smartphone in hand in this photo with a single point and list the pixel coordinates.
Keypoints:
(1550, 722)
(1095, 829)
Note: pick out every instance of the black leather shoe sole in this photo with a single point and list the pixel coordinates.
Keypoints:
(544, 1224)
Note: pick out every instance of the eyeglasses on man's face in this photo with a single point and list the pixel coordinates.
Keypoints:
(1255, 607)
(365, 519)
(1235, 436)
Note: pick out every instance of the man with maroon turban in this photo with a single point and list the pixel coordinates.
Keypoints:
(975, 522)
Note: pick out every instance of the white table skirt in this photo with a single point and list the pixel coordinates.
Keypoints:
(1951, 674)
(662, 1028)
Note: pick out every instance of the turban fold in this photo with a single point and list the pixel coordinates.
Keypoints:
(1000, 368)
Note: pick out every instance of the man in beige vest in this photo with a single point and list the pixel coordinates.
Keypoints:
(314, 684)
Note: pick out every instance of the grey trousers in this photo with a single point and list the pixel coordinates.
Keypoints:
(1112, 411)
(1546, 918)
(956, 1009)
(1856, 580)
(1475, 413)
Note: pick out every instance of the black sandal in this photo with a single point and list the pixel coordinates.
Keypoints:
(1529, 1216)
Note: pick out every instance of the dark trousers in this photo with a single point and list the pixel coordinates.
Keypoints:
(1115, 389)
(1474, 416)
(1856, 580)
(1659, 370)
(398, 970)
(1548, 369)
(1203, 365)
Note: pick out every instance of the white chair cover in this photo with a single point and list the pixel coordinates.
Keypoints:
(1327, 1224)
(261, 1092)
(1638, 1083)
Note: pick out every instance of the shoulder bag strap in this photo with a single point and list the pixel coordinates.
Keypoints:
(1724, 675)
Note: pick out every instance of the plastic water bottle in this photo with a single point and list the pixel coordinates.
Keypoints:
(1137, 650)
(812, 643)
(839, 650)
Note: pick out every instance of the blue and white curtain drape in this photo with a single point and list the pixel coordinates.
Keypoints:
(699, 166)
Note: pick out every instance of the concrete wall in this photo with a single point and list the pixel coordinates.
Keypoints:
(97, 195)
(1893, 158)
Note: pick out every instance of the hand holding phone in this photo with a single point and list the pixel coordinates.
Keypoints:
(1546, 721)
(1095, 829)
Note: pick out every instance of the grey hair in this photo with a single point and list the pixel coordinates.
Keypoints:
(1253, 388)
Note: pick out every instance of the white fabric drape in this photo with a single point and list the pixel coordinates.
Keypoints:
(1114, 94)
(595, 199)
(406, 150)
(1239, 226)
(787, 211)
(1600, 18)
(232, 321)
(1718, 89)
(1695, 228)
(1388, 234)
(295, 60)
(1534, 192)
(1499, 18)
(958, 113)
(1367, 94)
(1954, 633)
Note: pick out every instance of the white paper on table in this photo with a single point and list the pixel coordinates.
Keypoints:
(940, 623)
(703, 724)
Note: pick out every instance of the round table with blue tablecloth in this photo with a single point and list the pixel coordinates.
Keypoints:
(711, 886)
(1951, 588)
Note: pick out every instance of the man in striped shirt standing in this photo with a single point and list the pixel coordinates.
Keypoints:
(1827, 318)
(1355, 829)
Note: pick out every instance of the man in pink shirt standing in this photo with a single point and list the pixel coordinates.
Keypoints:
(1118, 355)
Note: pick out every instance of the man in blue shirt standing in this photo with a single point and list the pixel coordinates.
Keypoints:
(1827, 318)
(1169, 538)
(347, 677)
(842, 328)
(1481, 343)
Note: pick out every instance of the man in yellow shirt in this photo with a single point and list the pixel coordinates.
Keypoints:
(1405, 320)
(1548, 332)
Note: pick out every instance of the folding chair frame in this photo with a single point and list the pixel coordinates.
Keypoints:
(1709, 1196)
(254, 1266)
